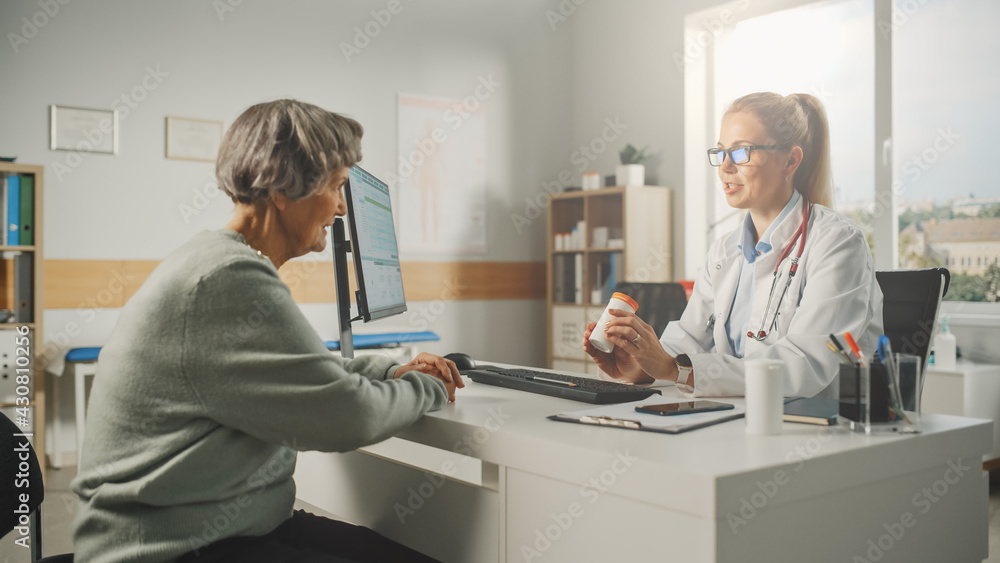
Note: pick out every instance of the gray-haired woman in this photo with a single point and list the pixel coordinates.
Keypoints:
(213, 379)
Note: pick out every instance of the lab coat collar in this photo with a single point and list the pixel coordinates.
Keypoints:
(782, 234)
(750, 250)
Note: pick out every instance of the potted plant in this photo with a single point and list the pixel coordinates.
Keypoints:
(632, 172)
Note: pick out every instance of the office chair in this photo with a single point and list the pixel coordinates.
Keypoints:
(659, 303)
(12, 463)
(911, 299)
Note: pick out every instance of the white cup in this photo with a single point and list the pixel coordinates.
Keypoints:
(765, 383)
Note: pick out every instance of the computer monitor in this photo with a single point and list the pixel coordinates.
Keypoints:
(373, 243)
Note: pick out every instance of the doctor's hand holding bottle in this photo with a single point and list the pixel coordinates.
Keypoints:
(637, 350)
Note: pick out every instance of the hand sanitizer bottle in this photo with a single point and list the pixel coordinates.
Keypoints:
(944, 348)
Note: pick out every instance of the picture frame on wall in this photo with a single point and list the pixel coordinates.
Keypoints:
(193, 139)
(83, 129)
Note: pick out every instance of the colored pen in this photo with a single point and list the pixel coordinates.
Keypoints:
(841, 348)
(843, 359)
(854, 348)
(884, 350)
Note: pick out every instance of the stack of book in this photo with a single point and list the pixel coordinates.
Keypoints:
(609, 275)
(568, 278)
(18, 208)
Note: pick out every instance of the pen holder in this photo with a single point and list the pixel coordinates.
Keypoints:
(882, 397)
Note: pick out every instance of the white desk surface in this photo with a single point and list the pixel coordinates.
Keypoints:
(837, 488)
(691, 469)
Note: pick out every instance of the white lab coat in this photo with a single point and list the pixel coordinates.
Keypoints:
(834, 291)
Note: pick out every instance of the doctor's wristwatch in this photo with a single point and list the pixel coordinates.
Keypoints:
(684, 370)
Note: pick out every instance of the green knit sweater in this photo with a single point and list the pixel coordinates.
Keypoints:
(208, 385)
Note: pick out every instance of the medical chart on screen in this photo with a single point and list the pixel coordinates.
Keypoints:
(377, 241)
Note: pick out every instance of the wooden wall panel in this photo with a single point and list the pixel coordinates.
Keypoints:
(70, 284)
(110, 283)
(427, 281)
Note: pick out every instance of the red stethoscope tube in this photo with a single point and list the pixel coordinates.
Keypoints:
(800, 234)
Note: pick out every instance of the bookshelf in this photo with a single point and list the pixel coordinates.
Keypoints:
(626, 230)
(21, 271)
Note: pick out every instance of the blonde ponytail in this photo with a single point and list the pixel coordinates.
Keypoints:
(797, 120)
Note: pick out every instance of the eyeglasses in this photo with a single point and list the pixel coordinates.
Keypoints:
(739, 155)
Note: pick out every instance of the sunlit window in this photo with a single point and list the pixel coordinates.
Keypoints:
(945, 88)
(946, 54)
(825, 50)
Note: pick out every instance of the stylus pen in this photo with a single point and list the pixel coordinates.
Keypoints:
(556, 381)
(843, 359)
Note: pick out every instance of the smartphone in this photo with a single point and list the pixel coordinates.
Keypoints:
(684, 407)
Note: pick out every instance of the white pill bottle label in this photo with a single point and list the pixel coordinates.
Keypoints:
(618, 301)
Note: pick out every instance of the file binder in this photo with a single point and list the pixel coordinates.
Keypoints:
(13, 210)
(27, 209)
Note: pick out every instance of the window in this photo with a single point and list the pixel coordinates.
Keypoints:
(938, 122)
(944, 117)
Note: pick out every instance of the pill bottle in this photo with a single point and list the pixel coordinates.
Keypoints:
(618, 301)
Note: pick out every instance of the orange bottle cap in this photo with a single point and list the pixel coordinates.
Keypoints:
(627, 299)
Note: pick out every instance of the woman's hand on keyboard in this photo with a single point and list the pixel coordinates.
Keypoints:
(439, 367)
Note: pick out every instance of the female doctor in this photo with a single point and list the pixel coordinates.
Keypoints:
(776, 287)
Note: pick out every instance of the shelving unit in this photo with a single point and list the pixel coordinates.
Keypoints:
(643, 217)
(24, 295)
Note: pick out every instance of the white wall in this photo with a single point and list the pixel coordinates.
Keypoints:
(197, 63)
(126, 206)
(624, 67)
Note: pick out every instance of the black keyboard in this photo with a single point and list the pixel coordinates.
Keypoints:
(561, 385)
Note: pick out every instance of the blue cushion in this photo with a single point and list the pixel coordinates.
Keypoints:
(83, 354)
(385, 339)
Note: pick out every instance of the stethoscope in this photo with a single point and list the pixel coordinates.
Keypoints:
(800, 234)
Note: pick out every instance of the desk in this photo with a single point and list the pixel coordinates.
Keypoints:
(490, 479)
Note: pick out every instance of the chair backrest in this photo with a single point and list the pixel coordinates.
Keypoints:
(11, 465)
(659, 303)
(911, 299)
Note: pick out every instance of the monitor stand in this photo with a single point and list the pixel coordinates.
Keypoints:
(341, 247)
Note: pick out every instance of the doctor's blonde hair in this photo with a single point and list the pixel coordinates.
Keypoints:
(797, 120)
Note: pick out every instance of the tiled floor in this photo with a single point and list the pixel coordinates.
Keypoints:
(60, 503)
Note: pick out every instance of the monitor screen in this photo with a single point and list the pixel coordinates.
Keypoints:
(373, 243)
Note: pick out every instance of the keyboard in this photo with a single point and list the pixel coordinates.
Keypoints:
(561, 385)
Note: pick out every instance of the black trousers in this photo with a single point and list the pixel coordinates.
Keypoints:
(307, 538)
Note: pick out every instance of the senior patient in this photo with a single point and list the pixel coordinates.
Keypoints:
(213, 379)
